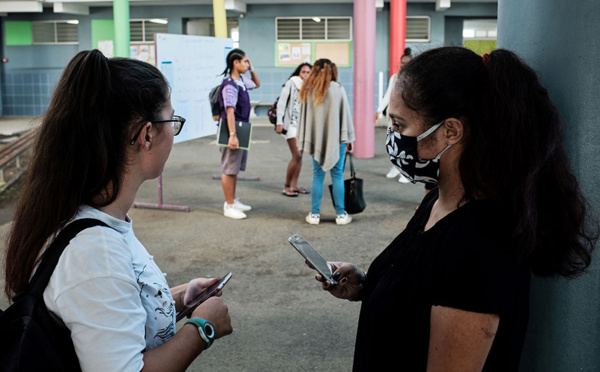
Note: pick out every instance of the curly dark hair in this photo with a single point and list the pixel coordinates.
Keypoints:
(513, 150)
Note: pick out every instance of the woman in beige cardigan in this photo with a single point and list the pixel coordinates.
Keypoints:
(326, 132)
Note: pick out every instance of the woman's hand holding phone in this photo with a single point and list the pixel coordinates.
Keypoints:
(350, 280)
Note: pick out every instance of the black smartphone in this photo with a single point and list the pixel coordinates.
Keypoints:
(312, 256)
(205, 295)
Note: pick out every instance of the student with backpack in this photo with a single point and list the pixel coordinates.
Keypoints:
(288, 112)
(109, 127)
(235, 103)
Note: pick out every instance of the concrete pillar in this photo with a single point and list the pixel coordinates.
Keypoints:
(220, 18)
(122, 32)
(364, 78)
(559, 40)
(397, 33)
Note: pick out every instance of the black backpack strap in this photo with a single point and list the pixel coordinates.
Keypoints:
(50, 258)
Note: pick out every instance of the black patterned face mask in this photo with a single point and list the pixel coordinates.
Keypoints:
(403, 154)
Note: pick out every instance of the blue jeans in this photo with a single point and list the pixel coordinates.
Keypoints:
(337, 179)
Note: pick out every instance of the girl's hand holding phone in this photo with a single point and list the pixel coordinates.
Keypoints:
(217, 313)
(197, 286)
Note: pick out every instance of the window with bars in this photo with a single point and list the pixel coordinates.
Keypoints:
(418, 29)
(142, 30)
(314, 28)
(55, 32)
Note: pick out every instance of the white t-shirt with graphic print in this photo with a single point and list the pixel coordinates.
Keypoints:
(109, 292)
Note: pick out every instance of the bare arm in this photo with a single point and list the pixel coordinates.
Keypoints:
(233, 140)
(460, 340)
(253, 75)
(180, 351)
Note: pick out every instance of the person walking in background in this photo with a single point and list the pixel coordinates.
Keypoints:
(235, 101)
(326, 132)
(454, 285)
(109, 127)
(383, 110)
(288, 112)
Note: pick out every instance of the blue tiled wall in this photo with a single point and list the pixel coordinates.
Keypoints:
(28, 93)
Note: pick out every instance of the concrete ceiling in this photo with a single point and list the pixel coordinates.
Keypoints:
(82, 6)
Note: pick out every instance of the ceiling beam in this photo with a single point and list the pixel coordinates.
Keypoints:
(21, 7)
(71, 8)
(235, 5)
(442, 5)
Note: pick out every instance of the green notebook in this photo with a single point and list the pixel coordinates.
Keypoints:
(242, 129)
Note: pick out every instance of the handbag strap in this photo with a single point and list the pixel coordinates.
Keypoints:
(352, 172)
(50, 258)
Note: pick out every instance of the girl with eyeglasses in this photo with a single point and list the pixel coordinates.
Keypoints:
(109, 128)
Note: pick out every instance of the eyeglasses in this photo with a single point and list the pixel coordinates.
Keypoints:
(176, 122)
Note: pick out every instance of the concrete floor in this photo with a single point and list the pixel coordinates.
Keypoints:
(282, 320)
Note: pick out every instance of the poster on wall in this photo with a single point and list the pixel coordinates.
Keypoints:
(284, 52)
(192, 65)
(293, 54)
(143, 52)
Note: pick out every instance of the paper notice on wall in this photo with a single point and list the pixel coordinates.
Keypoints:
(306, 49)
(296, 53)
(284, 51)
(106, 47)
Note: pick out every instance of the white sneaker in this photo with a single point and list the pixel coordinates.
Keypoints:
(393, 172)
(403, 179)
(343, 219)
(229, 210)
(241, 206)
(313, 219)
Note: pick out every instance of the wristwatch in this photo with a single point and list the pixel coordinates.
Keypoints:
(205, 328)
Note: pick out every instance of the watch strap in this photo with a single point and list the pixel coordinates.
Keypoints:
(205, 328)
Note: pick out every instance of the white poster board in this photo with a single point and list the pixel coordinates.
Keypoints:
(192, 65)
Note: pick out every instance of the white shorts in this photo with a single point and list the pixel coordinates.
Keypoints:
(291, 132)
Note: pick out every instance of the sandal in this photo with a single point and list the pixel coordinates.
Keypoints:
(292, 193)
(301, 190)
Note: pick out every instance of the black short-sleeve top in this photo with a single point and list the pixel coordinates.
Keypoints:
(465, 262)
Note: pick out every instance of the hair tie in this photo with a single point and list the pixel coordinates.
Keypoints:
(486, 59)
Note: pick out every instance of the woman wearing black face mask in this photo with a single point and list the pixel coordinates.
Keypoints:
(451, 292)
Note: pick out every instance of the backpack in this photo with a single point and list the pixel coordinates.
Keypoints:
(215, 105)
(213, 98)
(33, 339)
(272, 113)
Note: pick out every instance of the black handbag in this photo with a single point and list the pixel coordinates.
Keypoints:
(33, 339)
(354, 202)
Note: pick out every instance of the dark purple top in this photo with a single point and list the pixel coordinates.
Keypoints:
(242, 106)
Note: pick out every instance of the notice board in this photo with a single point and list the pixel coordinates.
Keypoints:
(192, 66)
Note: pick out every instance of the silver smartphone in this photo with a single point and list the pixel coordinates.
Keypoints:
(312, 256)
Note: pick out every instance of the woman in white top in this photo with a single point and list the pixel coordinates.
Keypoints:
(288, 112)
(109, 127)
(384, 106)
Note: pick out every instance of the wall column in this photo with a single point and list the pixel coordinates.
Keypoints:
(220, 18)
(557, 39)
(122, 32)
(364, 77)
(397, 33)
